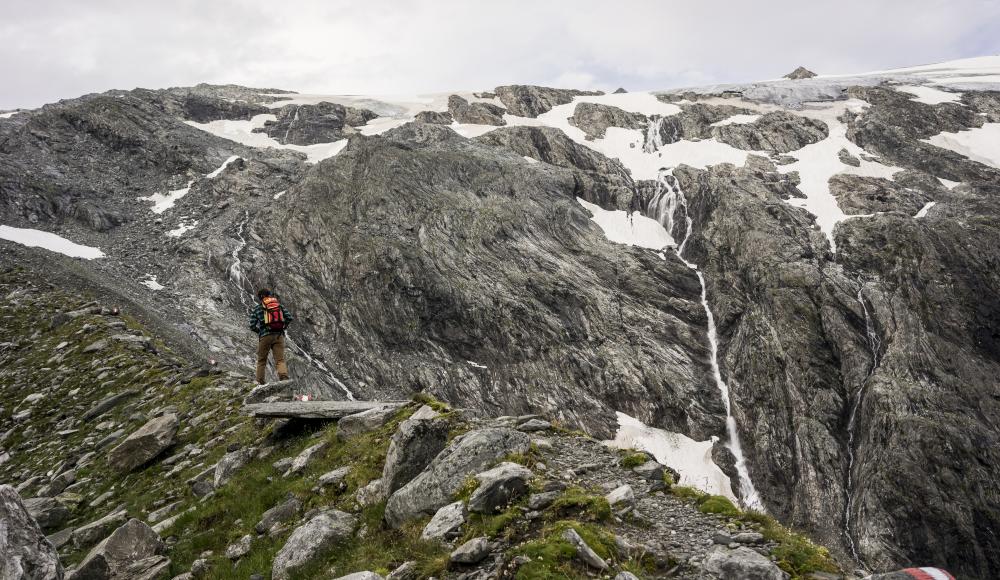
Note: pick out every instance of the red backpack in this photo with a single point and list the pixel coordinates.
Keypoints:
(274, 318)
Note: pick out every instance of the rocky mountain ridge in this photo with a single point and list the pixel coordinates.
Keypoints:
(827, 244)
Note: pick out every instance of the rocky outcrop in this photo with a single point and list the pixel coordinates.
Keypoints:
(594, 119)
(319, 123)
(531, 101)
(311, 540)
(477, 113)
(693, 122)
(145, 444)
(434, 117)
(800, 73)
(467, 455)
(776, 132)
(25, 553)
(48, 512)
(413, 446)
(865, 195)
(742, 564)
(132, 551)
(365, 421)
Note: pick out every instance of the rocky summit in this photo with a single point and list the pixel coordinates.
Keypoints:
(725, 332)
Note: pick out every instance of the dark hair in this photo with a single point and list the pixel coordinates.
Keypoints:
(263, 293)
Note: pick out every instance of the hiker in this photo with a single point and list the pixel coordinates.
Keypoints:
(269, 320)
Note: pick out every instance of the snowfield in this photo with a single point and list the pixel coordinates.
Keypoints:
(633, 230)
(692, 459)
(242, 133)
(982, 144)
(49, 241)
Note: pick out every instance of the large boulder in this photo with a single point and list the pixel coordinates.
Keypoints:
(364, 421)
(25, 553)
(230, 463)
(413, 446)
(594, 119)
(132, 551)
(49, 513)
(498, 487)
(310, 540)
(475, 113)
(144, 445)
(445, 523)
(741, 564)
(279, 514)
(531, 101)
(89, 534)
(436, 486)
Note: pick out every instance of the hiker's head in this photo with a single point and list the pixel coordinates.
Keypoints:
(263, 293)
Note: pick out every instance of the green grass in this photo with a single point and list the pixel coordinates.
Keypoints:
(633, 460)
(795, 553)
(552, 557)
(576, 502)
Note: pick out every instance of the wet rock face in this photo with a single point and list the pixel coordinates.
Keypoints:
(547, 286)
(594, 119)
(531, 101)
(320, 123)
(476, 113)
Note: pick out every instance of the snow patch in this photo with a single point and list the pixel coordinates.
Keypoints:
(691, 459)
(470, 130)
(930, 95)
(949, 183)
(380, 125)
(633, 230)
(182, 228)
(477, 365)
(818, 162)
(740, 119)
(530, 159)
(280, 193)
(49, 241)
(981, 144)
(8, 115)
(151, 283)
(218, 171)
(164, 201)
(923, 211)
(242, 132)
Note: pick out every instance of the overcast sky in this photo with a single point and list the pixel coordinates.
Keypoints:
(52, 49)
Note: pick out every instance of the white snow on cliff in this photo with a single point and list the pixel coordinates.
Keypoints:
(242, 132)
(930, 95)
(49, 241)
(633, 230)
(691, 459)
(981, 144)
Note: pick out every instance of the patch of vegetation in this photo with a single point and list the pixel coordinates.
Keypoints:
(795, 553)
(432, 402)
(551, 557)
(576, 502)
(633, 460)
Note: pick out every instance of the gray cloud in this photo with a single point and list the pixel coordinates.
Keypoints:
(52, 49)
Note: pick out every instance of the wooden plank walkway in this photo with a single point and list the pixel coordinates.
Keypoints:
(327, 410)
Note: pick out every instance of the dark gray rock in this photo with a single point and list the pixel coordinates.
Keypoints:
(89, 534)
(462, 111)
(741, 564)
(319, 123)
(472, 552)
(310, 540)
(777, 131)
(531, 101)
(47, 511)
(132, 551)
(365, 421)
(26, 553)
(498, 487)
(413, 446)
(434, 117)
(434, 487)
(594, 119)
(145, 444)
(446, 522)
(279, 514)
(800, 73)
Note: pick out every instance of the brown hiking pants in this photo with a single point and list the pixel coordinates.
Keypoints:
(267, 344)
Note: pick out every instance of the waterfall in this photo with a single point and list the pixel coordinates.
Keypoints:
(874, 345)
(668, 200)
(241, 282)
(654, 138)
